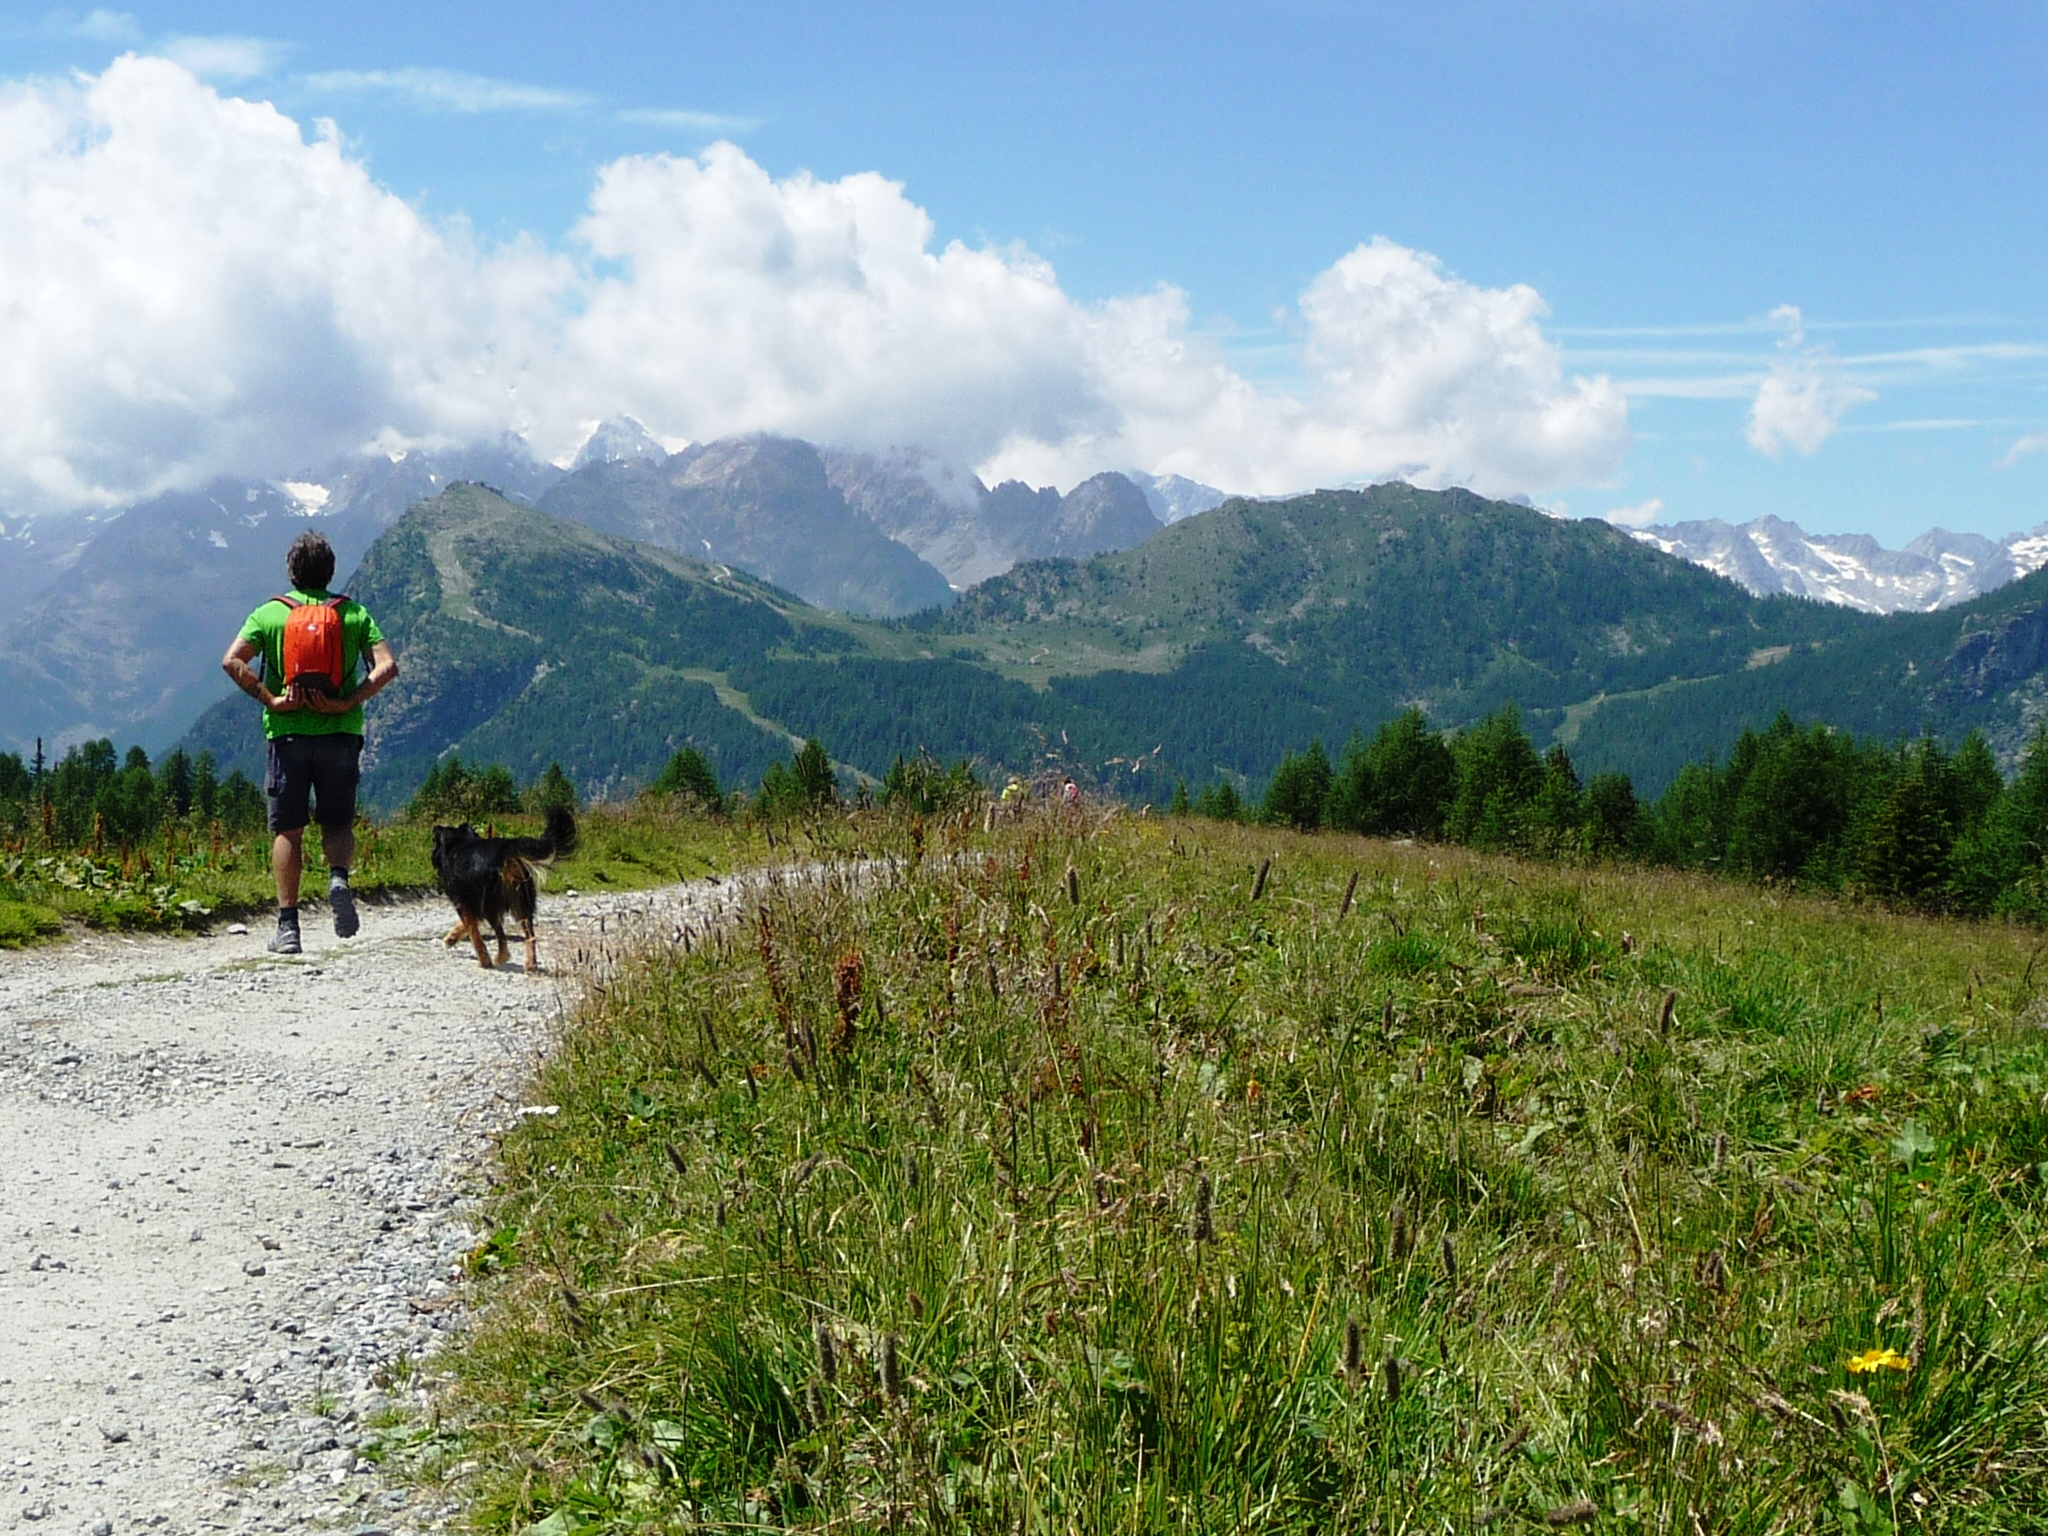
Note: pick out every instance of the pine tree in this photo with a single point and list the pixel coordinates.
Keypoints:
(1299, 790)
(553, 791)
(689, 773)
(817, 786)
(1499, 777)
(206, 787)
(174, 780)
(1905, 856)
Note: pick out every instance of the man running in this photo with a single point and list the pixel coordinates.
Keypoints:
(315, 734)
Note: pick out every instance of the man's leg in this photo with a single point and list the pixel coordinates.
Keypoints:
(287, 860)
(288, 785)
(288, 865)
(337, 766)
(339, 844)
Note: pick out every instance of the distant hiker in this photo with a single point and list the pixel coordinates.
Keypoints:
(1070, 794)
(312, 642)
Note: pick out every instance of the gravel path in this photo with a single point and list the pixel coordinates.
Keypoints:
(236, 1190)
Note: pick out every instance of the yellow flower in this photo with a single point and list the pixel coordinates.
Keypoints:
(1879, 1360)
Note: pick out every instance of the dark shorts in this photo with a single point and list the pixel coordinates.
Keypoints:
(321, 768)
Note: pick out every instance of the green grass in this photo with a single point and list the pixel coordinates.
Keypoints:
(1127, 1203)
(182, 881)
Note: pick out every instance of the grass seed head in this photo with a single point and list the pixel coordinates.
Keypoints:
(1354, 1349)
(849, 978)
(1450, 1256)
(1390, 1377)
(892, 1374)
(1205, 1224)
(828, 1354)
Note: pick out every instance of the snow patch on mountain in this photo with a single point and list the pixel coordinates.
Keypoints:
(617, 441)
(1770, 556)
(1173, 497)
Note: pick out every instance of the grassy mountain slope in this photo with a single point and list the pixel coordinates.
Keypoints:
(1442, 598)
(1979, 665)
(1226, 640)
(527, 639)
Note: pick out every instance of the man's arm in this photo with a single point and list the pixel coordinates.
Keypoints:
(236, 665)
(383, 672)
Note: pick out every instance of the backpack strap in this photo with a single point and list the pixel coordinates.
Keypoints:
(289, 602)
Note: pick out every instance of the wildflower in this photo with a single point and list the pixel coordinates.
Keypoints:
(1879, 1360)
(1252, 1090)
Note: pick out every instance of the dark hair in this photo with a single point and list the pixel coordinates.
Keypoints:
(310, 562)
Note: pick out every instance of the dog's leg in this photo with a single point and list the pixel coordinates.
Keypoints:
(476, 937)
(504, 949)
(456, 934)
(532, 951)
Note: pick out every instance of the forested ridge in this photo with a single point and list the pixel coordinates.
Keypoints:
(1205, 654)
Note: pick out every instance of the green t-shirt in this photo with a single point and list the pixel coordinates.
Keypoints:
(264, 629)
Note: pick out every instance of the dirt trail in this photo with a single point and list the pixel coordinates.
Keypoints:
(235, 1188)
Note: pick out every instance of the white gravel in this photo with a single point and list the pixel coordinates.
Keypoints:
(236, 1191)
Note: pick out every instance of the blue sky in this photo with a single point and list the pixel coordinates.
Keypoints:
(1669, 177)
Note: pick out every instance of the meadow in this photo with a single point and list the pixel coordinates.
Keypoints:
(1115, 1174)
(188, 874)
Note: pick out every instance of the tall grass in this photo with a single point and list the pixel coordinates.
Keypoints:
(1049, 1180)
(186, 878)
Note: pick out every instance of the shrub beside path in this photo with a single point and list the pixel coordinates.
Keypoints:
(236, 1199)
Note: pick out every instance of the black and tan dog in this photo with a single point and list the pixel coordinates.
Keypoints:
(491, 878)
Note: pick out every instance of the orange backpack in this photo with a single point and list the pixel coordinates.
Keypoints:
(312, 645)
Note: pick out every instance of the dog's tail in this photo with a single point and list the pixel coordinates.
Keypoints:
(557, 841)
(561, 831)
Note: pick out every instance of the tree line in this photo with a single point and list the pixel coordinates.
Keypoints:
(1914, 823)
(94, 798)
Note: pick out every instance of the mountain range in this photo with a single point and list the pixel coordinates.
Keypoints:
(1223, 641)
(112, 624)
(1213, 648)
(1144, 628)
(1771, 556)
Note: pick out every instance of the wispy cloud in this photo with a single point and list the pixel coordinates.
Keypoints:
(2032, 443)
(679, 117)
(450, 90)
(104, 27)
(224, 58)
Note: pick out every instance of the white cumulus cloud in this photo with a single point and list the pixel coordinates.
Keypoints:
(1641, 515)
(215, 291)
(1799, 403)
